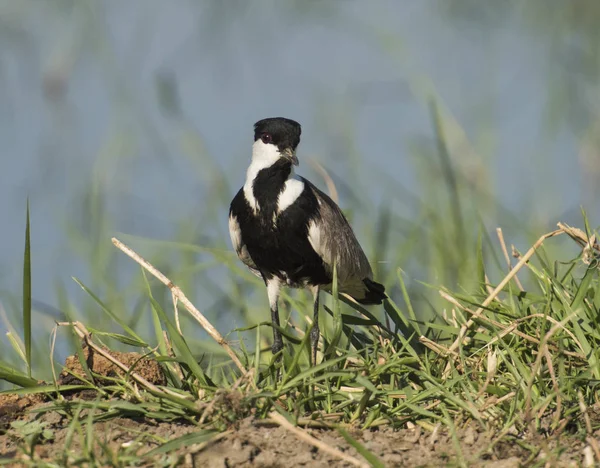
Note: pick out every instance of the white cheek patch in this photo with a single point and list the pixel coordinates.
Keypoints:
(292, 189)
(235, 233)
(263, 156)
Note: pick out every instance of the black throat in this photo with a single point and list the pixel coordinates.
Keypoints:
(269, 183)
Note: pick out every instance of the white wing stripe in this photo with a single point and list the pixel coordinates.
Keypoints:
(319, 244)
(235, 233)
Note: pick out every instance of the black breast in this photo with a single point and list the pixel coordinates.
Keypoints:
(279, 246)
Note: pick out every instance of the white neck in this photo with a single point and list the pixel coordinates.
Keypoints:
(263, 156)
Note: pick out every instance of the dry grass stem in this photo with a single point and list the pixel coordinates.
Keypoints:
(492, 362)
(541, 354)
(176, 314)
(171, 353)
(588, 456)
(579, 236)
(333, 193)
(594, 445)
(176, 291)
(197, 448)
(584, 412)
(494, 401)
(84, 334)
(436, 347)
(524, 259)
(52, 348)
(306, 437)
(506, 256)
(512, 328)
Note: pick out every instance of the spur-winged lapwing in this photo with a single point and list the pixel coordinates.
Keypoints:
(290, 233)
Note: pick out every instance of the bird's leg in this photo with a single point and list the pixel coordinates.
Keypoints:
(277, 340)
(273, 287)
(314, 333)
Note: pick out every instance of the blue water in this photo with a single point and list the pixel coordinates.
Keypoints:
(79, 108)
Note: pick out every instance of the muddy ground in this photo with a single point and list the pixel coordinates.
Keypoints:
(254, 443)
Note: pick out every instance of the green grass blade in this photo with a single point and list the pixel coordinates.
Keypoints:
(109, 312)
(337, 316)
(311, 371)
(296, 359)
(14, 342)
(480, 263)
(27, 293)
(409, 307)
(15, 377)
(183, 441)
(584, 288)
(46, 389)
(158, 331)
(180, 343)
(120, 338)
(360, 448)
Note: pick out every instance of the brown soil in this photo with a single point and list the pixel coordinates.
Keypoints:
(254, 443)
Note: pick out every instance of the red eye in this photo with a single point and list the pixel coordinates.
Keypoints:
(266, 138)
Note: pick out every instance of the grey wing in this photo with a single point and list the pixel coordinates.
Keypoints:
(332, 238)
(240, 248)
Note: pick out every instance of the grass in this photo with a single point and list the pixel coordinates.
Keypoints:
(514, 360)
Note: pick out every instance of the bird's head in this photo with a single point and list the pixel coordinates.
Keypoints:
(275, 138)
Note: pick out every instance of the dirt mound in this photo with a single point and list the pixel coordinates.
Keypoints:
(147, 367)
(13, 407)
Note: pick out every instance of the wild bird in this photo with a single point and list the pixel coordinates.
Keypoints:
(290, 233)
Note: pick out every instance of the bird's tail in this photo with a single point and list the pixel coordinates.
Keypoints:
(375, 293)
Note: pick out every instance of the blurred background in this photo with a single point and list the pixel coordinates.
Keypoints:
(438, 121)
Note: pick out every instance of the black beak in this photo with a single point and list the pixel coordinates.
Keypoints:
(290, 155)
